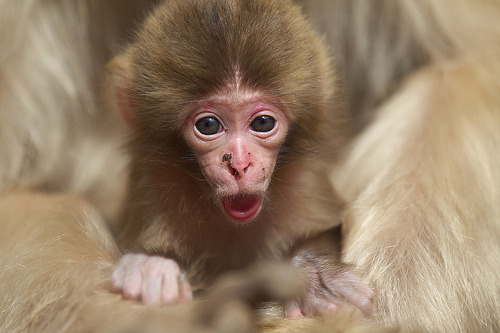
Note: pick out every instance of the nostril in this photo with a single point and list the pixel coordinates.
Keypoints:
(236, 166)
(238, 170)
(245, 169)
(233, 170)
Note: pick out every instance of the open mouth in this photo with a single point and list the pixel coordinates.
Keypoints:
(242, 208)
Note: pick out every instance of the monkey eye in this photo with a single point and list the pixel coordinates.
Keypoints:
(208, 126)
(263, 124)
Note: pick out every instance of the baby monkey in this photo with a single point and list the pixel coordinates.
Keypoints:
(230, 107)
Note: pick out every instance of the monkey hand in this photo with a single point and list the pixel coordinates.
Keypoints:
(150, 279)
(328, 283)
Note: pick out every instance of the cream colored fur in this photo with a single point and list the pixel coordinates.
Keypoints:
(422, 181)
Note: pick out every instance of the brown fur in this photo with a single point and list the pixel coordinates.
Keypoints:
(422, 222)
(169, 69)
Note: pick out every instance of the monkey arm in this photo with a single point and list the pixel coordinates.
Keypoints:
(423, 188)
(56, 257)
(55, 253)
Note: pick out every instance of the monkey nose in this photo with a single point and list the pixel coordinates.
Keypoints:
(239, 169)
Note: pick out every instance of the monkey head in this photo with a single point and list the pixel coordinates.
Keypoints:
(229, 90)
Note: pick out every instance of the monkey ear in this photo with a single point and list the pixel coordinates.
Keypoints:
(122, 88)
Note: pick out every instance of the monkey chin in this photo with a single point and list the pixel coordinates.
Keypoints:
(242, 208)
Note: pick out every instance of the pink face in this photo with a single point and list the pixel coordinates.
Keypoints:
(236, 141)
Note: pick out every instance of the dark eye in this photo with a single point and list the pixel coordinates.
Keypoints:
(208, 126)
(263, 124)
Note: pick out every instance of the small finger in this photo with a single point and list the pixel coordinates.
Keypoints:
(292, 310)
(362, 302)
(324, 308)
(186, 293)
(353, 291)
(117, 278)
(132, 284)
(151, 289)
(170, 291)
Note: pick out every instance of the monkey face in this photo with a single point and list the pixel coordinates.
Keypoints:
(229, 85)
(236, 140)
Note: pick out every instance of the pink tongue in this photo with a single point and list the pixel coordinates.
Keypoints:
(242, 208)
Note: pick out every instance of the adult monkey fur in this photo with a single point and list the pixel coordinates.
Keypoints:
(423, 177)
(422, 221)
